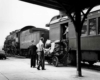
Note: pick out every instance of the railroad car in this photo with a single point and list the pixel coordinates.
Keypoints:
(27, 35)
(90, 36)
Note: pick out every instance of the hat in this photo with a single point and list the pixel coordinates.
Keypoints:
(41, 38)
(32, 41)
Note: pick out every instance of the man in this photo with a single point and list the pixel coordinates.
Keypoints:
(40, 53)
(66, 32)
(33, 53)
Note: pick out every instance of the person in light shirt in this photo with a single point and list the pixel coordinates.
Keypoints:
(66, 32)
(40, 53)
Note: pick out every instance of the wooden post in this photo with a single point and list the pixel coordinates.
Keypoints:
(78, 34)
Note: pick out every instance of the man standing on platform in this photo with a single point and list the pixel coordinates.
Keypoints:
(40, 53)
(33, 53)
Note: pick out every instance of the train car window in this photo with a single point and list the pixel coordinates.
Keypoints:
(84, 29)
(99, 25)
(92, 26)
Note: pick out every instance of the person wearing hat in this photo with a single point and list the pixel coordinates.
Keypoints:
(40, 53)
(33, 53)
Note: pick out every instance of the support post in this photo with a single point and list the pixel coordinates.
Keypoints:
(78, 55)
(78, 34)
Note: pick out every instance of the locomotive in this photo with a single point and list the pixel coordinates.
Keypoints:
(90, 37)
(11, 43)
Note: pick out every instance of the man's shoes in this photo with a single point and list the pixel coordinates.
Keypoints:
(38, 68)
(33, 66)
(43, 69)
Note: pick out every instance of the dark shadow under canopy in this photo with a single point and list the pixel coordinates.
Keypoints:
(70, 5)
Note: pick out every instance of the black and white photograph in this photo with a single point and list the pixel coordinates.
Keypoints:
(49, 40)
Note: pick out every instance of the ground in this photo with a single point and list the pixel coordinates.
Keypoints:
(19, 69)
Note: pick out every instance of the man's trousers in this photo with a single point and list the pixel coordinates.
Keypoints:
(41, 59)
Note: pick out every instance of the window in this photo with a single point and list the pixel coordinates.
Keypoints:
(99, 25)
(92, 26)
(84, 29)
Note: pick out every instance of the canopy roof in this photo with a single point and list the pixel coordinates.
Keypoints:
(70, 5)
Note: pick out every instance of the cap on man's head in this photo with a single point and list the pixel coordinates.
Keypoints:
(41, 38)
(32, 41)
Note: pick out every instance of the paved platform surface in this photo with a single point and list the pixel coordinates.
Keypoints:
(19, 69)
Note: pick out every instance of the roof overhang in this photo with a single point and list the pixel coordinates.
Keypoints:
(70, 5)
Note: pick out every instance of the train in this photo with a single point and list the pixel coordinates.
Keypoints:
(19, 42)
(90, 36)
